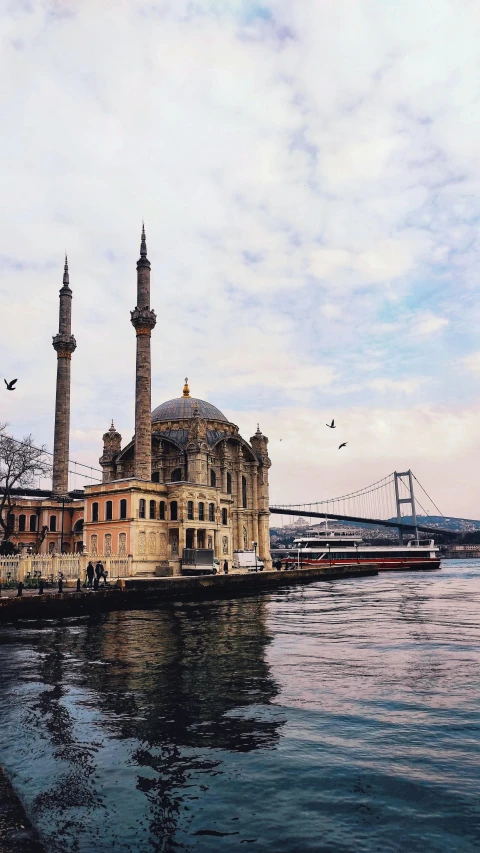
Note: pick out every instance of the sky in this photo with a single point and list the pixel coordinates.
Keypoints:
(309, 177)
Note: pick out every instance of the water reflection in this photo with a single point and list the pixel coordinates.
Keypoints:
(165, 730)
(178, 685)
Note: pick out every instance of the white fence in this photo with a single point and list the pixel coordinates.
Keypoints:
(71, 566)
(9, 569)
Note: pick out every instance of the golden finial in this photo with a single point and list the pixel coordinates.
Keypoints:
(186, 389)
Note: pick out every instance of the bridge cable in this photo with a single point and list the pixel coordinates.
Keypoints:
(428, 496)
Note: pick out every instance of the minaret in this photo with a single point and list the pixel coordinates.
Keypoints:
(64, 343)
(259, 444)
(143, 320)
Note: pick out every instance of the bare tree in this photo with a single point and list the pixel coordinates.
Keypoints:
(20, 465)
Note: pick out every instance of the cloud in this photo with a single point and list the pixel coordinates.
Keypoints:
(472, 362)
(310, 203)
(404, 386)
(427, 325)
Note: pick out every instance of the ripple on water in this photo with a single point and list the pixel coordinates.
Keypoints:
(335, 717)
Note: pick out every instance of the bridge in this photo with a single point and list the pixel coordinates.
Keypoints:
(380, 504)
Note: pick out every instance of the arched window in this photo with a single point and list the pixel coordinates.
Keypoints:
(213, 477)
(122, 544)
(156, 477)
(224, 516)
(141, 508)
(201, 512)
(95, 511)
(10, 521)
(33, 524)
(190, 510)
(162, 510)
(176, 475)
(123, 508)
(211, 512)
(153, 506)
(244, 492)
(53, 523)
(108, 511)
(173, 511)
(229, 483)
(22, 522)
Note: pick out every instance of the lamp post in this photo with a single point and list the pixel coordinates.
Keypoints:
(255, 549)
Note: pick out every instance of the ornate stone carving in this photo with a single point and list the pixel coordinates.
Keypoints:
(259, 443)
(142, 542)
(197, 433)
(122, 544)
(64, 344)
(152, 543)
(163, 543)
(107, 550)
(94, 545)
(143, 320)
(225, 544)
(112, 442)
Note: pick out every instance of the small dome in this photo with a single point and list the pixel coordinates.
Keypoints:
(183, 407)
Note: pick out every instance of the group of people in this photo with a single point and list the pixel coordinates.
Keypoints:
(95, 574)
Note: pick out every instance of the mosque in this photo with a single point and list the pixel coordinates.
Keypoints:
(187, 479)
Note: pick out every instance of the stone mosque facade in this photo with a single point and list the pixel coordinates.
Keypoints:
(187, 479)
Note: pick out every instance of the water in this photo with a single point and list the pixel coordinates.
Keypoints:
(331, 718)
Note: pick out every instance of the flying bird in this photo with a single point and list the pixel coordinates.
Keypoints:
(342, 445)
(10, 385)
(332, 425)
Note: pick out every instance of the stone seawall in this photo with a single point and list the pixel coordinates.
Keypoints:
(145, 592)
(17, 835)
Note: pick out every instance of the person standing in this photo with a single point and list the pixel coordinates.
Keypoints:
(90, 574)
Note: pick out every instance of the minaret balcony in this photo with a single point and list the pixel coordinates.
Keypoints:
(143, 318)
(64, 344)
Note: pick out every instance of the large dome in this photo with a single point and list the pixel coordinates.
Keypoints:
(183, 407)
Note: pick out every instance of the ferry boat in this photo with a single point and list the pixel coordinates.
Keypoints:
(338, 546)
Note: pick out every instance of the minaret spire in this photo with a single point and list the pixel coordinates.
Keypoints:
(143, 243)
(143, 320)
(64, 343)
(66, 277)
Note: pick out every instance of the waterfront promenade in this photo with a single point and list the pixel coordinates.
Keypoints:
(145, 591)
